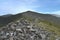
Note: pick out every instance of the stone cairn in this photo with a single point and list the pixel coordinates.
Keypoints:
(23, 30)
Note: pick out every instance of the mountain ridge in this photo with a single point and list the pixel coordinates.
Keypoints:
(46, 17)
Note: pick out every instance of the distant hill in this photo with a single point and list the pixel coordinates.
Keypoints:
(7, 15)
(56, 15)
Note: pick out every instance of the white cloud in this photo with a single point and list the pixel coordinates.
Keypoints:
(15, 6)
(55, 12)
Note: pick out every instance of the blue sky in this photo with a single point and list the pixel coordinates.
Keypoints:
(17, 6)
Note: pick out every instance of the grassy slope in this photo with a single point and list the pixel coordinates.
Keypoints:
(47, 25)
(51, 27)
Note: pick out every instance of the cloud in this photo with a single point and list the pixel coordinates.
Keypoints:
(16, 6)
(55, 12)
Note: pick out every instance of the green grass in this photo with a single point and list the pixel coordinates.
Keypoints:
(50, 27)
(46, 24)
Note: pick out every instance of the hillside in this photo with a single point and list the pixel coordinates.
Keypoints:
(46, 21)
(45, 17)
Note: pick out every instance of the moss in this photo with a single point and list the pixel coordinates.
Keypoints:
(52, 38)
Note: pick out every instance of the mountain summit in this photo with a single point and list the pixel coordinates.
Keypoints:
(45, 17)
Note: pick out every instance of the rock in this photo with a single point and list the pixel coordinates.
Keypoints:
(23, 30)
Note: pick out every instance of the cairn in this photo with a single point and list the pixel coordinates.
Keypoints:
(23, 30)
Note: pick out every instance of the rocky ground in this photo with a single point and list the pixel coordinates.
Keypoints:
(24, 30)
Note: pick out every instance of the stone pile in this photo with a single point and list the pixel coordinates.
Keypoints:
(23, 30)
